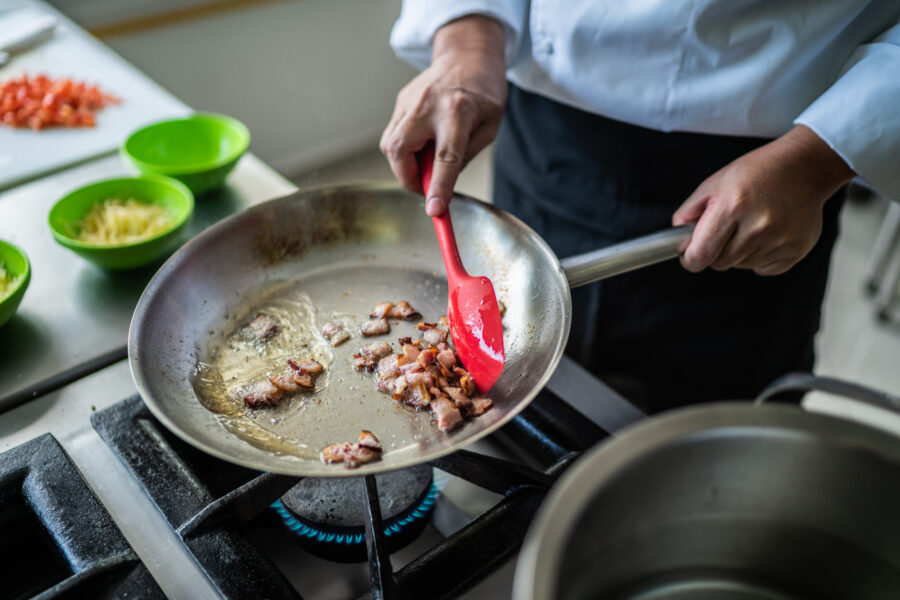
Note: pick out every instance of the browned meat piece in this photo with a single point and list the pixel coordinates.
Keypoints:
(402, 310)
(270, 392)
(367, 357)
(447, 358)
(445, 413)
(286, 383)
(381, 310)
(368, 440)
(420, 378)
(304, 380)
(386, 385)
(389, 366)
(479, 405)
(375, 350)
(334, 332)
(261, 327)
(432, 334)
(367, 449)
(417, 396)
(427, 357)
(375, 327)
(411, 367)
(311, 367)
(262, 393)
(469, 407)
(457, 395)
(467, 384)
(410, 353)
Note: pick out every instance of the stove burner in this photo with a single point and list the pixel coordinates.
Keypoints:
(327, 514)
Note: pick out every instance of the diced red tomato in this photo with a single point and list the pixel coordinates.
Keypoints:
(41, 101)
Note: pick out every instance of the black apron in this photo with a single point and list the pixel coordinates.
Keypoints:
(662, 336)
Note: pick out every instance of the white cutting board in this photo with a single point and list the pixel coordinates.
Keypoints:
(27, 154)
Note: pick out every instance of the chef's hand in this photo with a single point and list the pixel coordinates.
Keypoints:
(458, 102)
(764, 210)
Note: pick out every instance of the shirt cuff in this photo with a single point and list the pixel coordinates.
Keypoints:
(413, 33)
(858, 116)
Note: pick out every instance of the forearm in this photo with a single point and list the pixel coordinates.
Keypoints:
(814, 161)
(474, 34)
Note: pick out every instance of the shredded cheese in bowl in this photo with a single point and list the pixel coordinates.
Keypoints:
(8, 282)
(115, 221)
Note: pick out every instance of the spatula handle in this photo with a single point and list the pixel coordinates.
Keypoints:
(443, 226)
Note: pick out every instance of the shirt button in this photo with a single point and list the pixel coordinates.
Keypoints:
(547, 47)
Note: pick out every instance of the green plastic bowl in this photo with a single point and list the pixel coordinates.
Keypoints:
(16, 263)
(199, 150)
(74, 206)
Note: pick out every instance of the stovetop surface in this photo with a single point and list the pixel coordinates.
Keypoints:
(154, 486)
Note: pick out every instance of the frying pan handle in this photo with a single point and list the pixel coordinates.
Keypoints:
(583, 269)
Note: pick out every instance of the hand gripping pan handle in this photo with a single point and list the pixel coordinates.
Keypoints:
(644, 251)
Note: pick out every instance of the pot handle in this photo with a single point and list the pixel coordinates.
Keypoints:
(644, 251)
(807, 382)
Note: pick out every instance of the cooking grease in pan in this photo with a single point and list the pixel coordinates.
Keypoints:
(343, 401)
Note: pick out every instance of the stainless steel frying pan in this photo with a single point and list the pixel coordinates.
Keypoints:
(347, 248)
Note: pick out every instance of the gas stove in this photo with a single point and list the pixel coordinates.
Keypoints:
(108, 500)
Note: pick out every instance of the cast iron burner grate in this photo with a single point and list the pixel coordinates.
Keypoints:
(208, 501)
(58, 541)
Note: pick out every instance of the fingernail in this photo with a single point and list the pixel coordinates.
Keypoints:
(434, 207)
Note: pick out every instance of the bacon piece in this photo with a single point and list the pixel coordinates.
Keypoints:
(457, 395)
(410, 367)
(469, 407)
(420, 378)
(309, 366)
(304, 380)
(368, 440)
(367, 449)
(427, 357)
(334, 332)
(417, 396)
(381, 310)
(367, 357)
(386, 385)
(261, 327)
(262, 393)
(286, 383)
(447, 358)
(432, 334)
(270, 392)
(389, 366)
(479, 405)
(445, 413)
(467, 384)
(410, 353)
(402, 310)
(375, 327)
(375, 350)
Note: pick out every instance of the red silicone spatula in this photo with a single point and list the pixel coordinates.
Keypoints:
(472, 308)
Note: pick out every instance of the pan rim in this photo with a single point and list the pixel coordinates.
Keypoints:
(284, 466)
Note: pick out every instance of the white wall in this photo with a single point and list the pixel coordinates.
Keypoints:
(314, 80)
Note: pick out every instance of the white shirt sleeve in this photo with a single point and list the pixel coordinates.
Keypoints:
(412, 35)
(859, 115)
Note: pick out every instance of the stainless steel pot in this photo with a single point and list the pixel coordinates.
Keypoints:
(725, 501)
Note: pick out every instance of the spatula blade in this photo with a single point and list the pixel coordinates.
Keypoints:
(476, 330)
